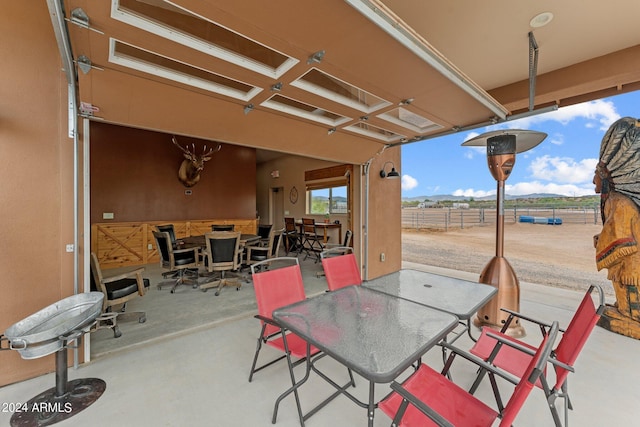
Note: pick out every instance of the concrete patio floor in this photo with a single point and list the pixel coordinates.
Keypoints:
(198, 377)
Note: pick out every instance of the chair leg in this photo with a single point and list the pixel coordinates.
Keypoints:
(181, 280)
(228, 282)
(170, 274)
(294, 387)
(496, 392)
(553, 395)
(220, 283)
(478, 380)
(565, 394)
(293, 244)
(107, 319)
(255, 356)
(110, 319)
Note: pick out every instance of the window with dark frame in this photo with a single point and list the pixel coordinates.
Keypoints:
(328, 199)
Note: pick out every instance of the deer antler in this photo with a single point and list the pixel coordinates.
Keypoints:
(213, 150)
(175, 141)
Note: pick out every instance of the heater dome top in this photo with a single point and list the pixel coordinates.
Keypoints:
(525, 139)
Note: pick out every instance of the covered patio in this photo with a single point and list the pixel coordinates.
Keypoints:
(346, 82)
(199, 376)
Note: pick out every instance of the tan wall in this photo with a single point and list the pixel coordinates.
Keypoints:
(36, 165)
(384, 217)
(291, 170)
(134, 175)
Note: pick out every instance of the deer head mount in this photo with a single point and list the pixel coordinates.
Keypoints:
(192, 165)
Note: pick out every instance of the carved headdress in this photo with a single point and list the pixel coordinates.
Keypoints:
(619, 165)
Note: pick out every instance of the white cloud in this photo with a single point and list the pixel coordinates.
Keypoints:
(408, 182)
(473, 193)
(563, 170)
(557, 139)
(472, 152)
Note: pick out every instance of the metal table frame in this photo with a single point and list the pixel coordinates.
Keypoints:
(375, 334)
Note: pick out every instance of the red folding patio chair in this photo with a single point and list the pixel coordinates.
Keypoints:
(562, 358)
(340, 267)
(276, 288)
(428, 398)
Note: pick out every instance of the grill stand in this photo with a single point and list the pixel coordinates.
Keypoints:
(64, 400)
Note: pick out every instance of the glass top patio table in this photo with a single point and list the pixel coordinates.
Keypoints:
(372, 333)
(456, 296)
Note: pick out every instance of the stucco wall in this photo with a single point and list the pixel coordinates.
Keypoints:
(384, 233)
(36, 165)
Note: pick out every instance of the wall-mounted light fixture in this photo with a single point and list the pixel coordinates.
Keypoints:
(331, 131)
(248, 108)
(393, 173)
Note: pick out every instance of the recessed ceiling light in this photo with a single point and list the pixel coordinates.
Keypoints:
(541, 19)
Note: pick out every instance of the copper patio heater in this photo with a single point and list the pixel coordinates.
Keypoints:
(502, 146)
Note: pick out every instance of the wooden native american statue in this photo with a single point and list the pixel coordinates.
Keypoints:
(617, 179)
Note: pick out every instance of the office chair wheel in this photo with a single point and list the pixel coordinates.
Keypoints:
(142, 319)
(217, 293)
(116, 332)
(173, 291)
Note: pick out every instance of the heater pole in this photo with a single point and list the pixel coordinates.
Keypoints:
(500, 220)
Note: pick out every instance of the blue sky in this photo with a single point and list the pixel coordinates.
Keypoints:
(562, 164)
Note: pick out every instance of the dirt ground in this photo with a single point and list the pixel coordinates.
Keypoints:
(555, 255)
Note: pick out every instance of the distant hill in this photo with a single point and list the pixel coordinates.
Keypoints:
(440, 197)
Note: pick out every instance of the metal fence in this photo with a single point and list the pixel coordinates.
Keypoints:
(445, 218)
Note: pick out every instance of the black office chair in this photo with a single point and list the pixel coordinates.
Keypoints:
(222, 227)
(168, 228)
(176, 259)
(256, 254)
(119, 289)
(223, 254)
(263, 232)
